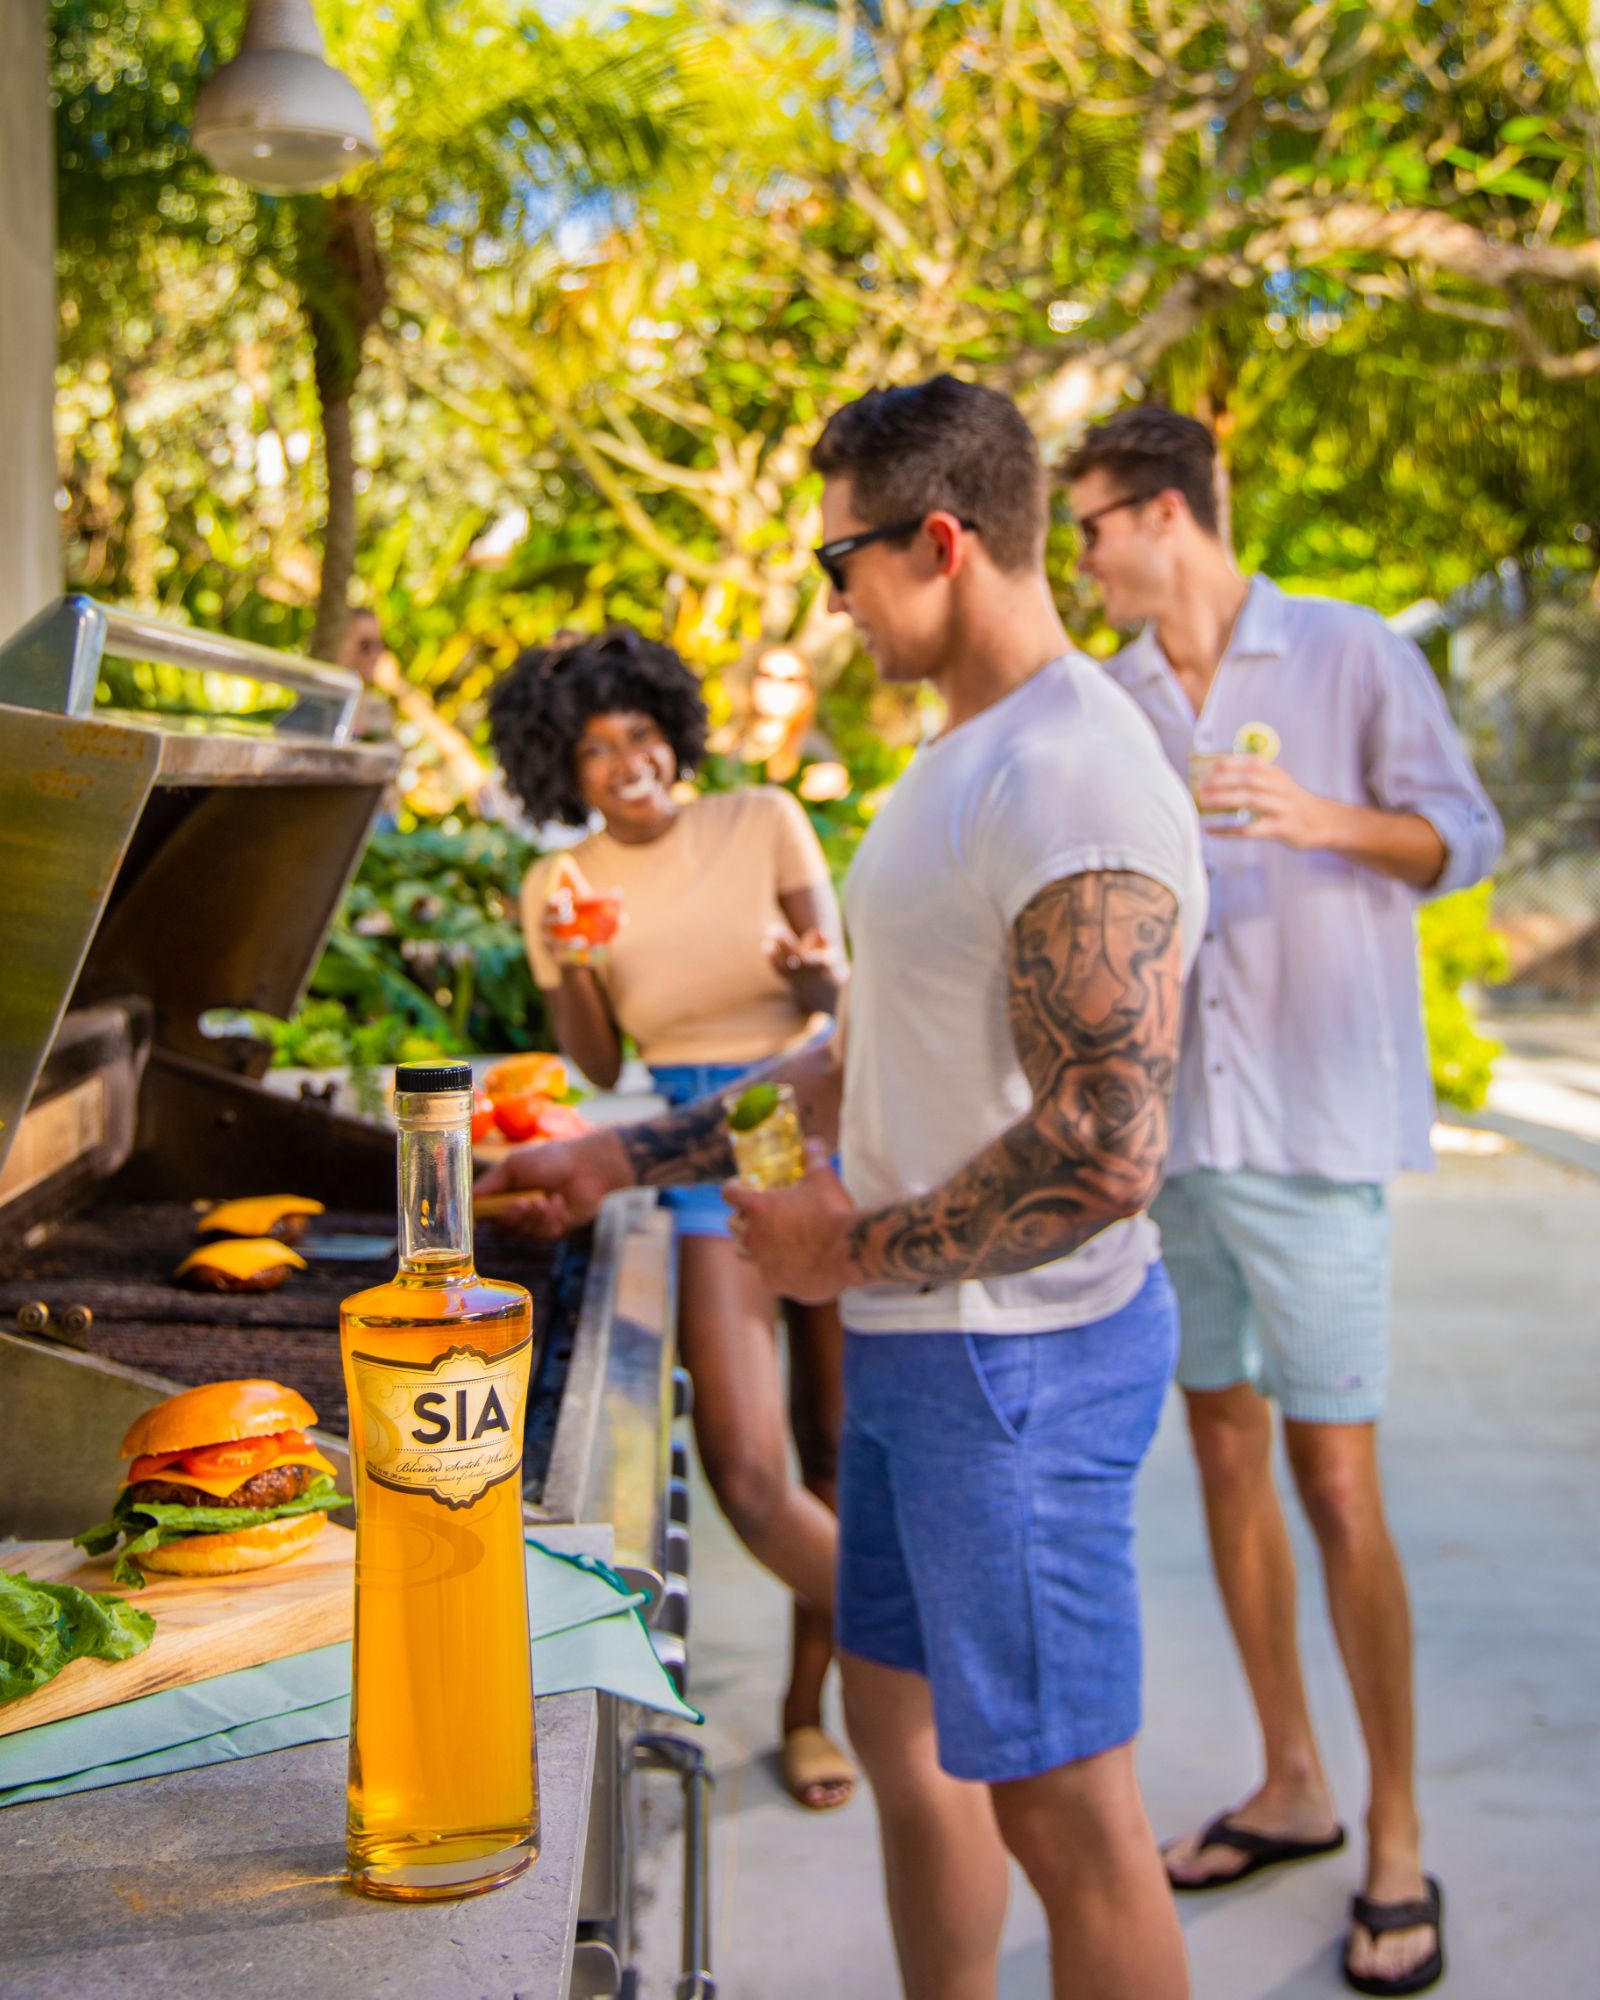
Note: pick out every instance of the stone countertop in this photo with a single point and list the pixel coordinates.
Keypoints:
(232, 1877)
(191, 1886)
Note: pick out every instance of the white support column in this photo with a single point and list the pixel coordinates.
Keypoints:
(30, 542)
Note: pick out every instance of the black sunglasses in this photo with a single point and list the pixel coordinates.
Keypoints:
(1088, 525)
(831, 555)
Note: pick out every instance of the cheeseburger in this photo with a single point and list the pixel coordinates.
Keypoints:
(223, 1479)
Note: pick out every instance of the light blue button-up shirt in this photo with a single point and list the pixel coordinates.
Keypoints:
(1303, 1046)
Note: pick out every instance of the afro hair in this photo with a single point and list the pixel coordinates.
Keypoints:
(538, 710)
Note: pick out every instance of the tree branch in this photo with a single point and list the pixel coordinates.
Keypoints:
(1425, 237)
(1092, 382)
(519, 376)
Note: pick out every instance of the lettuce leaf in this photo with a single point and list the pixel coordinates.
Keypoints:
(150, 1523)
(45, 1626)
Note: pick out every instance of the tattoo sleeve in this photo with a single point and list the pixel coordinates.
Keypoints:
(1095, 1009)
(687, 1145)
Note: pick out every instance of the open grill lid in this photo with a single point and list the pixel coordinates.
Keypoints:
(184, 864)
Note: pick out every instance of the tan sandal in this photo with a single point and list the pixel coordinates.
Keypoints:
(811, 1758)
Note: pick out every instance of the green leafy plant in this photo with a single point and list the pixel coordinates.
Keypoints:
(430, 931)
(323, 1035)
(426, 958)
(1460, 950)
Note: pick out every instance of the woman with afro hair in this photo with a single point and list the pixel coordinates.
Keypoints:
(730, 947)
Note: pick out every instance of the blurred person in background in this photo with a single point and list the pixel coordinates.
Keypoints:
(362, 649)
(730, 949)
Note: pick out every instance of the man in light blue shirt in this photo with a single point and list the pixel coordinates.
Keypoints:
(1334, 794)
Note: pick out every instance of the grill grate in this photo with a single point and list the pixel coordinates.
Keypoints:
(117, 1261)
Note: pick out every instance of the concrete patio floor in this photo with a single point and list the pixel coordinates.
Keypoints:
(1494, 1481)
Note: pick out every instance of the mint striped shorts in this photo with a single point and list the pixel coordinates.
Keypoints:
(1282, 1282)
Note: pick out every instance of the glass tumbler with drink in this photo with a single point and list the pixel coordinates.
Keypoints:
(1252, 739)
(765, 1133)
(580, 921)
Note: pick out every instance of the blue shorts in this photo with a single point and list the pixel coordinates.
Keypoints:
(698, 1210)
(986, 1527)
(1282, 1282)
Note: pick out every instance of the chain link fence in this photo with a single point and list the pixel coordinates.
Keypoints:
(1523, 681)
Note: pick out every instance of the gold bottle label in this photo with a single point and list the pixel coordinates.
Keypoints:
(450, 1428)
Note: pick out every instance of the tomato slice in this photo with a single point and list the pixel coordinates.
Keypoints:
(483, 1121)
(243, 1457)
(518, 1117)
(152, 1462)
(209, 1461)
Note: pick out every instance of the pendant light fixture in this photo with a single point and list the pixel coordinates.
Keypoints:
(279, 116)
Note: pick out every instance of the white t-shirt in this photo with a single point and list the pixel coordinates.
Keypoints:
(1062, 777)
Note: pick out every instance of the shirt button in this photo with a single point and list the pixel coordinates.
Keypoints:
(1210, 937)
(1216, 1069)
(1211, 1003)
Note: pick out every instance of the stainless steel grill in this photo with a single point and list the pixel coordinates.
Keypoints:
(157, 874)
(102, 1281)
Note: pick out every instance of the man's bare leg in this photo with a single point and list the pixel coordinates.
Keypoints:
(1082, 1837)
(944, 1863)
(1336, 1469)
(1232, 1434)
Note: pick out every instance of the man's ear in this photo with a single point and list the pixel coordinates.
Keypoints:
(948, 538)
(1169, 509)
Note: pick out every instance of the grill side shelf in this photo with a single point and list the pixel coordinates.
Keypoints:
(610, 1460)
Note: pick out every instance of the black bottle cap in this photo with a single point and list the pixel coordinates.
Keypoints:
(433, 1076)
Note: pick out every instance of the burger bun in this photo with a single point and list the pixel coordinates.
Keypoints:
(242, 1549)
(218, 1413)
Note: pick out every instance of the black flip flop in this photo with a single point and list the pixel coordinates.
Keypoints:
(1261, 1850)
(1380, 1917)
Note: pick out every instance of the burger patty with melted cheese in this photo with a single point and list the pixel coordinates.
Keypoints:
(279, 1483)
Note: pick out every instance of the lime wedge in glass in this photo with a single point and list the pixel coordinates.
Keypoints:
(752, 1106)
(1257, 739)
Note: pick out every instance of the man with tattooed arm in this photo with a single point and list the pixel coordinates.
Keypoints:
(1022, 912)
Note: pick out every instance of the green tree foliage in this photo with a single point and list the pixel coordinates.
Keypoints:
(1382, 214)
(480, 109)
(1461, 952)
(1363, 236)
(619, 274)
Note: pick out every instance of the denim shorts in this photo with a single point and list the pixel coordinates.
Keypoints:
(1282, 1282)
(986, 1488)
(698, 1210)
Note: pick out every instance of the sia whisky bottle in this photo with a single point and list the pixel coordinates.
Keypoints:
(444, 1794)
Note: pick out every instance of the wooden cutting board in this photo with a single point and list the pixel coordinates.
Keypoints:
(204, 1625)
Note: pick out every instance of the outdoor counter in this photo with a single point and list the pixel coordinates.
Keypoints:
(190, 1886)
(233, 1876)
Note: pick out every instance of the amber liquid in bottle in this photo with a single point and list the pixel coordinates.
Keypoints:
(443, 1794)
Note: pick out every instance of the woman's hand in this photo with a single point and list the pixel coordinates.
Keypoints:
(571, 950)
(561, 949)
(565, 1181)
(812, 964)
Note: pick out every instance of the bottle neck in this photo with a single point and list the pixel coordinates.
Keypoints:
(435, 1180)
